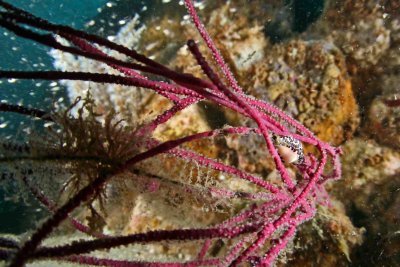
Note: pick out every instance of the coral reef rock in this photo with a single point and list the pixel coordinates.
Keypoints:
(308, 79)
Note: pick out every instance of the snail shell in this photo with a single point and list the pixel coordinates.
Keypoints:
(287, 154)
(289, 149)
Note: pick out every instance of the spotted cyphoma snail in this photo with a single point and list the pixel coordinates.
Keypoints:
(289, 148)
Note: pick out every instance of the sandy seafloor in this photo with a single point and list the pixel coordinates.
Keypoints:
(337, 73)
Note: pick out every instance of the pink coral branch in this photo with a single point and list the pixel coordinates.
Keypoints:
(204, 249)
(224, 168)
(240, 101)
(37, 193)
(125, 263)
(85, 246)
(280, 208)
(210, 44)
(278, 247)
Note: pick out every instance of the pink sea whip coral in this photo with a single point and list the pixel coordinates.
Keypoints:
(262, 230)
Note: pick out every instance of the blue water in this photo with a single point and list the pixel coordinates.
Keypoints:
(25, 55)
